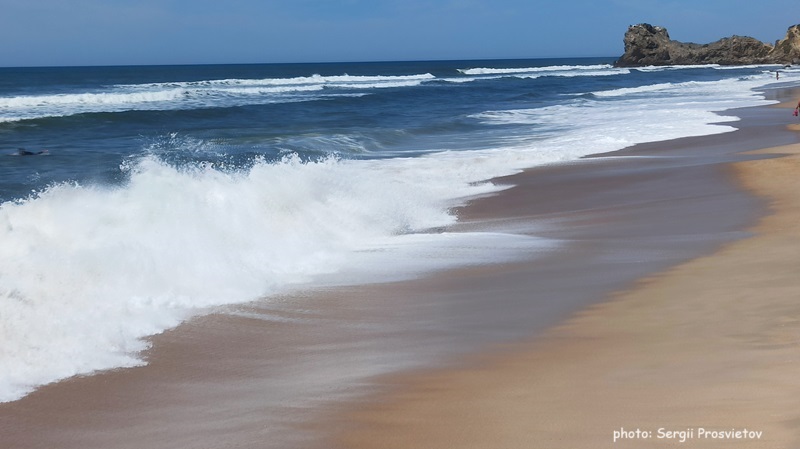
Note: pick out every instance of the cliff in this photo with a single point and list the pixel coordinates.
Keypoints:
(787, 50)
(651, 45)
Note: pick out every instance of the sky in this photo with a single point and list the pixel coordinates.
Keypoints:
(135, 32)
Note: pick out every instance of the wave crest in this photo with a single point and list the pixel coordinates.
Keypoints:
(86, 272)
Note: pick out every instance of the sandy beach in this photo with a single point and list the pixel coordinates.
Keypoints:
(704, 354)
(670, 305)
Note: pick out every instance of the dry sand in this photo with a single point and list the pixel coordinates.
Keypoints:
(713, 343)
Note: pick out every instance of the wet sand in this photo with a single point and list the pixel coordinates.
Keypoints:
(707, 347)
(293, 371)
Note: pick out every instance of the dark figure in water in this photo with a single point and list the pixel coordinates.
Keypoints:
(24, 152)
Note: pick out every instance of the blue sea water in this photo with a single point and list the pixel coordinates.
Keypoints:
(166, 191)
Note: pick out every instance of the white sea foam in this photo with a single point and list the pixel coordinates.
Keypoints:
(627, 116)
(87, 272)
(689, 97)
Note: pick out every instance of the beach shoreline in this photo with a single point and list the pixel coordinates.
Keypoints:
(224, 380)
(703, 354)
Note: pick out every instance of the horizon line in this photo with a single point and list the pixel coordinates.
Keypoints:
(190, 64)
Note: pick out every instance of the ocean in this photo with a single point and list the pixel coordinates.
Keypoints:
(149, 195)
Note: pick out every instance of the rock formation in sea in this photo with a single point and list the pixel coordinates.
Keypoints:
(646, 44)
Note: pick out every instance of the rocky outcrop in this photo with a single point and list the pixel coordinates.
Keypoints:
(651, 45)
(787, 50)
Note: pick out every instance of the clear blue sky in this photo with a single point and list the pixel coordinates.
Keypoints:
(108, 32)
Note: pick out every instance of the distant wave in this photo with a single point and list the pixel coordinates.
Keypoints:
(314, 80)
(547, 71)
(659, 68)
(635, 90)
(691, 89)
(554, 68)
(196, 94)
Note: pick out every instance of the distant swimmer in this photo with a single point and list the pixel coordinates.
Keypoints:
(24, 152)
